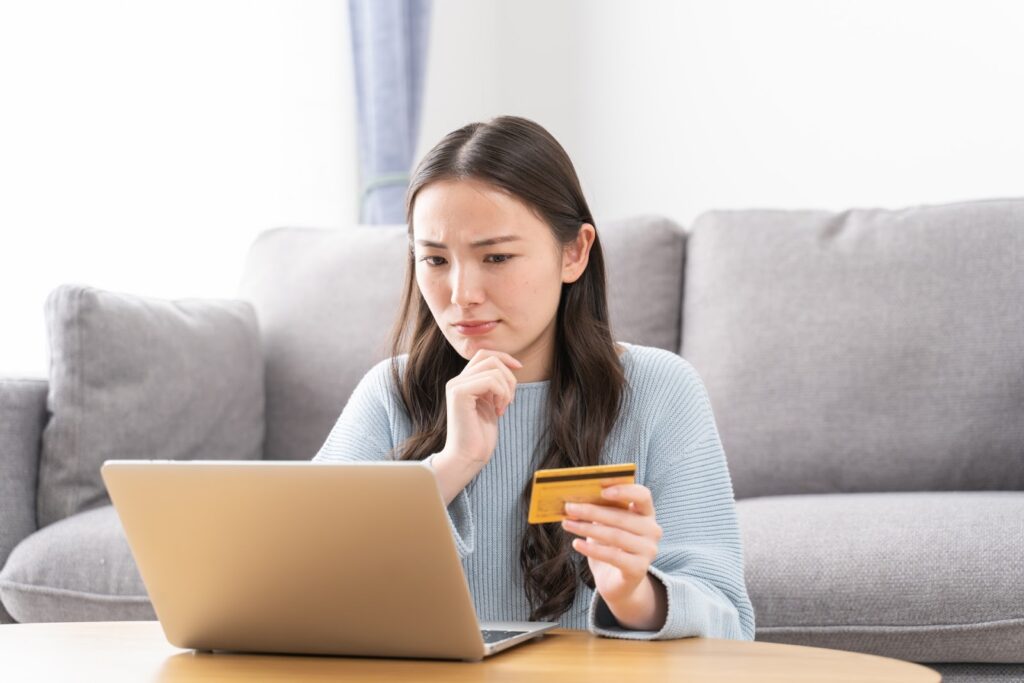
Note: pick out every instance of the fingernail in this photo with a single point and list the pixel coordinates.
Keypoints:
(570, 507)
(610, 493)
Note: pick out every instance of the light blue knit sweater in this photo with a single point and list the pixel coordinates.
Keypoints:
(666, 427)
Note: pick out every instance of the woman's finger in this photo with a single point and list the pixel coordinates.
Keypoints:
(631, 519)
(607, 535)
(638, 494)
(502, 358)
(630, 565)
(510, 379)
(493, 365)
(490, 386)
(628, 520)
(505, 376)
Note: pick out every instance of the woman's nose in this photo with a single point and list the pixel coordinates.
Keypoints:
(466, 289)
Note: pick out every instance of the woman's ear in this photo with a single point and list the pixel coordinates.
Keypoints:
(575, 256)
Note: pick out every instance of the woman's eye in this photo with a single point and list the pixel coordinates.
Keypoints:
(439, 260)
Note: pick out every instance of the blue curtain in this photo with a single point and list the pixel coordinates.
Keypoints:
(389, 50)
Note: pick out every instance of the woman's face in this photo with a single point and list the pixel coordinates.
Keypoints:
(482, 256)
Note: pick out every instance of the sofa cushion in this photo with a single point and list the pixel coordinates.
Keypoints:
(326, 301)
(928, 577)
(868, 350)
(137, 377)
(78, 569)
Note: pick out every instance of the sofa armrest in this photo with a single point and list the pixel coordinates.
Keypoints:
(23, 416)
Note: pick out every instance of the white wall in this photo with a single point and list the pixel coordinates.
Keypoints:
(678, 107)
(144, 144)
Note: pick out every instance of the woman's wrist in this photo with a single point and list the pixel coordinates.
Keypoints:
(645, 609)
(453, 474)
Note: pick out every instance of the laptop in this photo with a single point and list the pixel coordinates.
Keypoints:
(303, 558)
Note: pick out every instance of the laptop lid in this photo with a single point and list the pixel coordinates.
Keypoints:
(298, 557)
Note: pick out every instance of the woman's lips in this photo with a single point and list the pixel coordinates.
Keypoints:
(473, 330)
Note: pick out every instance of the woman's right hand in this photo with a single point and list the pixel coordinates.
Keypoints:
(476, 398)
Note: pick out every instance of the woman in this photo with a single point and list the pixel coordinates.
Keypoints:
(503, 363)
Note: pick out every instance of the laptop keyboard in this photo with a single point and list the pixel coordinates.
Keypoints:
(497, 636)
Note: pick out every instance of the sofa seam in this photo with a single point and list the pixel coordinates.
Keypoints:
(79, 399)
(100, 597)
(1015, 621)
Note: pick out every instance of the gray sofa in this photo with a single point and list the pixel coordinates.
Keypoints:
(866, 370)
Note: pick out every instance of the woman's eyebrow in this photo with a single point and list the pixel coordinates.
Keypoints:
(479, 243)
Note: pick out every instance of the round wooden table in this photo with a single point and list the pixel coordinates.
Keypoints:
(137, 651)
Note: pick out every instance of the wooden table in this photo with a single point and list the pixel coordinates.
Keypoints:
(137, 651)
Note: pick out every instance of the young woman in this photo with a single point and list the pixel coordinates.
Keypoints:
(503, 363)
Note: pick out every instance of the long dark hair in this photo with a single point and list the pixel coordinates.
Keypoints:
(587, 380)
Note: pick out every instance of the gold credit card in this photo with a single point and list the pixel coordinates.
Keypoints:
(552, 489)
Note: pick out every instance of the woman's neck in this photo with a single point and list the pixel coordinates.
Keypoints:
(532, 371)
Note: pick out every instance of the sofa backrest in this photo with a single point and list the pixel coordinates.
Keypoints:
(326, 300)
(867, 350)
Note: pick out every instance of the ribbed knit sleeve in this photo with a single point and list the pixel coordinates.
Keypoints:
(363, 432)
(700, 559)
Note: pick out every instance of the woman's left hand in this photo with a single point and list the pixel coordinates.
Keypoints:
(619, 544)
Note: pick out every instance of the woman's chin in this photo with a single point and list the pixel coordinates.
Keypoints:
(468, 346)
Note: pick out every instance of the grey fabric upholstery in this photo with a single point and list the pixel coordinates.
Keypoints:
(980, 673)
(326, 301)
(138, 377)
(644, 258)
(867, 350)
(22, 416)
(77, 569)
(924, 576)
(324, 307)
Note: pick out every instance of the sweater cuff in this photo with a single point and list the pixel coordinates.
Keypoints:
(693, 610)
(460, 520)
(604, 623)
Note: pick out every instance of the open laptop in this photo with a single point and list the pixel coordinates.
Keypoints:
(302, 558)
